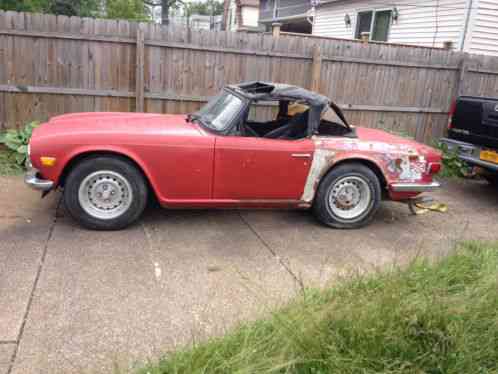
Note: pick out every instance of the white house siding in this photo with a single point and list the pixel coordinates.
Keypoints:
(483, 29)
(250, 16)
(416, 24)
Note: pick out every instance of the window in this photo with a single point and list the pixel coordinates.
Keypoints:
(281, 120)
(220, 111)
(374, 23)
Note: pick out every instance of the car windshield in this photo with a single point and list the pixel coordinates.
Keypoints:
(220, 111)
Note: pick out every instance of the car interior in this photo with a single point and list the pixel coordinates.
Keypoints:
(290, 122)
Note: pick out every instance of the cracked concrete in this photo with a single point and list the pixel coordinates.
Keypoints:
(77, 301)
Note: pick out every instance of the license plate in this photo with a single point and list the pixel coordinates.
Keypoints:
(490, 156)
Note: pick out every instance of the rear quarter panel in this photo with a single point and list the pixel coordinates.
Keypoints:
(401, 162)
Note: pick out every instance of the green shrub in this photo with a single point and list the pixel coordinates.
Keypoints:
(428, 318)
(452, 165)
(17, 140)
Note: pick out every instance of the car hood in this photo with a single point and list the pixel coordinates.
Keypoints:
(81, 124)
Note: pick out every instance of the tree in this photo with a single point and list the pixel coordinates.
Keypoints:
(127, 9)
(165, 5)
(116, 9)
(23, 5)
(206, 8)
(81, 8)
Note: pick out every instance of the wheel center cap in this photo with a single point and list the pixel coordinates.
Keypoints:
(347, 197)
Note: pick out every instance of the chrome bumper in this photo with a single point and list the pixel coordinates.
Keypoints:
(469, 153)
(32, 180)
(415, 187)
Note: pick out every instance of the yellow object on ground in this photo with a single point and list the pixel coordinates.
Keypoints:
(421, 208)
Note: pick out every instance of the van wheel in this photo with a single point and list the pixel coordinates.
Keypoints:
(105, 193)
(348, 197)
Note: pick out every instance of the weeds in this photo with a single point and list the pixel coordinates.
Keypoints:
(17, 140)
(8, 165)
(427, 318)
(452, 165)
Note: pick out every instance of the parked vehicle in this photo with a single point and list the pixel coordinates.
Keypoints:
(255, 145)
(473, 133)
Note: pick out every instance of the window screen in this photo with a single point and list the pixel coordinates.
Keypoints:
(364, 23)
(381, 25)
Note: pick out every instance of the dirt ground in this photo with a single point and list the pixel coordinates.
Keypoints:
(77, 301)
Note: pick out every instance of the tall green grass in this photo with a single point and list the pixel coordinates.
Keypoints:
(426, 318)
(8, 165)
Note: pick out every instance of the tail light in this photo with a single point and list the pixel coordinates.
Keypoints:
(451, 113)
(433, 168)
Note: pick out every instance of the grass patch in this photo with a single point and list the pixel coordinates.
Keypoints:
(8, 165)
(426, 318)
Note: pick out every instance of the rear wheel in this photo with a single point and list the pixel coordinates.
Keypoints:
(105, 193)
(348, 197)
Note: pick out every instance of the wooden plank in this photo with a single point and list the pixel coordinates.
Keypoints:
(482, 71)
(316, 69)
(201, 99)
(460, 78)
(63, 91)
(354, 60)
(67, 36)
(140, 78)
(111, 39)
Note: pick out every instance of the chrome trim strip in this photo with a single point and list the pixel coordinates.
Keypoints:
(479, 162)
(32, 180)
(415, 187)
(301, 155)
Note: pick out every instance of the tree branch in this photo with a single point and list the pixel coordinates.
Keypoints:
(152, 3)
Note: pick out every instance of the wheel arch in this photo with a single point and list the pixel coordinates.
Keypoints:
(366, 162)
(77, 157)
(372, 165)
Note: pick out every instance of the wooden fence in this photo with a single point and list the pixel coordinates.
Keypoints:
(55, 64)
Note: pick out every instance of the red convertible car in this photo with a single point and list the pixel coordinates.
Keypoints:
(255, 145)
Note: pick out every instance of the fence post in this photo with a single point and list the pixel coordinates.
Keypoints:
(316, 69)
(463, 67)
(139, 80)
(275, 29)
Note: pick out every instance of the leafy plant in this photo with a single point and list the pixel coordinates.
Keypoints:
(17, 140)
(452, 165)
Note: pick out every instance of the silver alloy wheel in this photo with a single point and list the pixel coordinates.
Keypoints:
(349, 197)
(105, 194)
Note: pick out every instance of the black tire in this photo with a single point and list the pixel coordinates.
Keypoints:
(124, 169)
(321, 206)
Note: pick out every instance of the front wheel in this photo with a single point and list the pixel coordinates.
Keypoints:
(105, 193)
(348, 197)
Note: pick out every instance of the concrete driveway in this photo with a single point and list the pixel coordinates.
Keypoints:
(78, 301)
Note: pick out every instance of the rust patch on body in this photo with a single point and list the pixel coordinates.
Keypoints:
(322, 161)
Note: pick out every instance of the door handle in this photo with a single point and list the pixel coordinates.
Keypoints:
(301, 155)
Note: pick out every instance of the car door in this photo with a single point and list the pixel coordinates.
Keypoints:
(251, 168)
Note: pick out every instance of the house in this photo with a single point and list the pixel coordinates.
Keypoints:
(293, 15)
(241, 15)
(462, 25)
(198, 21)
(194, 21)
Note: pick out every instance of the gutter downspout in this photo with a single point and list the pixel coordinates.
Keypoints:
(466, 25)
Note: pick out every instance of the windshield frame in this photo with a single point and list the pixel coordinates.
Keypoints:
(200, 117)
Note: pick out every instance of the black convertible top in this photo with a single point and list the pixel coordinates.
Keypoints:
(268, 91)
(278, 91)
